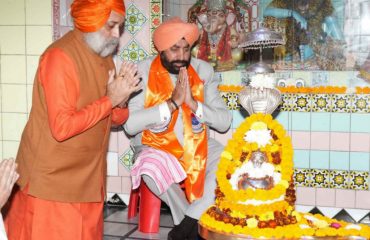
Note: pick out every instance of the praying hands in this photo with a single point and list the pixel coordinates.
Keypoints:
(8, 176)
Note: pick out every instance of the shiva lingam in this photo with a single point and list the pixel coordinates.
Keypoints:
(258, 162)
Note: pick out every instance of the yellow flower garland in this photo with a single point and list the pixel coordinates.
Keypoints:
(254, 210)
(294, 89)
(288, 231)
(230, 160)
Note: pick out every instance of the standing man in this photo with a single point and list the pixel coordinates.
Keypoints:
(62, 153)
(169, 121)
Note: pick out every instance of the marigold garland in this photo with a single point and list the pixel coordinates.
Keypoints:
(288, 231)
(304, 90)
(254, 210)
(230, 160)
(236, 152)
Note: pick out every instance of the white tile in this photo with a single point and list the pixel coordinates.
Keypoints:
(329, 211)
(13, 125)
(12, 40)
(12, 12)
(38, 39)
(357, 214)
(10, 149)
(304, 208)
(1, 149)
(38, 12)
(163, 232)
(14, 98)
(112, 164)
(124, 197)
(1, 126)
(13, 69)
(29, 97)
(32, 64)
(117, 229)
(121, 216)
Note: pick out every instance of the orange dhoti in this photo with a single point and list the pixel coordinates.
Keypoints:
(31, 218)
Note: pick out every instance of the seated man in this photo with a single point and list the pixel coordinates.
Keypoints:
(169, 121)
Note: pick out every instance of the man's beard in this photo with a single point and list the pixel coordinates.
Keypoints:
(170, 66)
(100, 44)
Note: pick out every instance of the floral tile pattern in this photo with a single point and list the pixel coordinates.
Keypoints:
(155, 20)
(301, 102)
(231, 100)
(339, 103)
(133, 52)
(286, 105)
(321, 103)
(320, 178)
(361, 103)
(126, 158)
(359, 180)
(135, 19)
(342, 103)
(338, 179)
(302, 177)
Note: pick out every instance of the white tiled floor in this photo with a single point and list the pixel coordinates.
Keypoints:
(118, 227)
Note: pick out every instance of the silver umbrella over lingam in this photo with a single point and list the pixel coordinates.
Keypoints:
(261, 38)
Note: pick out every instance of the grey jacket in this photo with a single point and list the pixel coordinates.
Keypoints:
(215, 113)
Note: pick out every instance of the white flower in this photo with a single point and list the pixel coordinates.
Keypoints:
(261, 137)
(353, 226)
(261, 81)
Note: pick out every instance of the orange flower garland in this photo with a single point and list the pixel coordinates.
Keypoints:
(230, 160)
(305, 90)
(236, 152)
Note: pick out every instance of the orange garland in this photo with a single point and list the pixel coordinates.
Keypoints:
(293, 89)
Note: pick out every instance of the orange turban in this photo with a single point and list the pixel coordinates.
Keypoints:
(91, 15)
(172, 31)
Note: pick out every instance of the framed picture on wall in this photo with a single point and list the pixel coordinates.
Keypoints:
(326, 35)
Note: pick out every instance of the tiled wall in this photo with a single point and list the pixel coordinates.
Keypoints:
(25, 31)
(331, 140)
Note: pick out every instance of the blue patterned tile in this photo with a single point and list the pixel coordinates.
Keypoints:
(126, 158)
(135, 19)
(133, 52)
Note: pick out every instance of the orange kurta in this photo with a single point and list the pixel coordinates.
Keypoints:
(62, 153)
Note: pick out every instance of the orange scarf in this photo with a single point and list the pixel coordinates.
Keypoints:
(193, 155)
